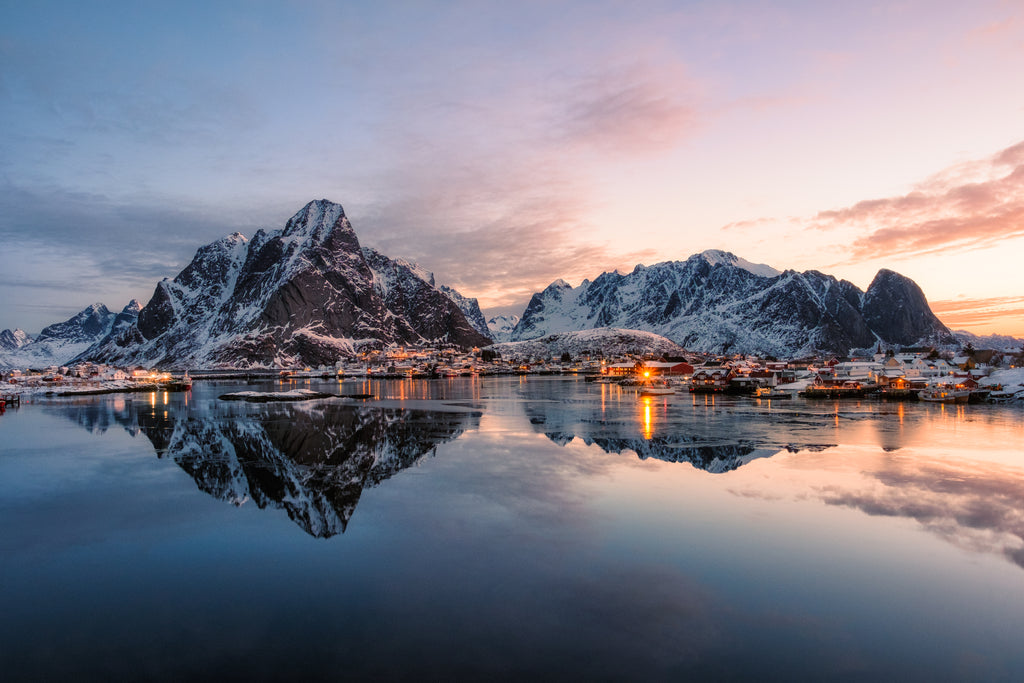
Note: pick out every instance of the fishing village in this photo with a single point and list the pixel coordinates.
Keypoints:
(914, 375)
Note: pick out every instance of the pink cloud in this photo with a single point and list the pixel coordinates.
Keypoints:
(946, 211)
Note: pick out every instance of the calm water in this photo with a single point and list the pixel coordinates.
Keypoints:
(509, 528)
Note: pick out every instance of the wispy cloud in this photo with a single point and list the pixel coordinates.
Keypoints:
(971, 205)
(635, 110)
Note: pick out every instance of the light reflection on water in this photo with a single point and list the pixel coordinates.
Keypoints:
(510, 528)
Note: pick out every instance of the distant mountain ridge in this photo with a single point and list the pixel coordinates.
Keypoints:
(717, 302)
(61, 342)
(999, 342)
(500, 327)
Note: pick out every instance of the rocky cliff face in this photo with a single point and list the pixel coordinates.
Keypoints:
(895, 308)
(717, 302)
(409, 292)
(470, 308)
(302, 295)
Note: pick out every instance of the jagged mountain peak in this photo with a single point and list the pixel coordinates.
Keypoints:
(89, 321)
(316, 219)
(132, 308)
(886, 276)
(94, 308)
(719, 256)
(897, 309)
(11, 340)
(470, 308)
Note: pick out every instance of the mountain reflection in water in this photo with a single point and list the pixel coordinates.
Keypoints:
(312, 460)
(724, 447)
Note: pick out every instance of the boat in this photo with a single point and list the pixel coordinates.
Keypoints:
(771, 392)
(944, 394)
(183, 383)
(656, 389)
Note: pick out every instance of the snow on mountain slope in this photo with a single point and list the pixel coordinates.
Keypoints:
(410, 293)
(11, 340)
(716, 256)
(500, 327)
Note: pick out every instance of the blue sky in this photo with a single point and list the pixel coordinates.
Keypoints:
(504, 145)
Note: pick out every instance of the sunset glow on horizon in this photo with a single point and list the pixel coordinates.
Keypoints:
(503, 146)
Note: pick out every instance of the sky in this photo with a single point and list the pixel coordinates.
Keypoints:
(505, 145)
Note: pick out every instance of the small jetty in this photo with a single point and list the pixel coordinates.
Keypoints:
(845, 390)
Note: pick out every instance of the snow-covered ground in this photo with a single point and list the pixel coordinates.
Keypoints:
(608, 341)
(1011, 379)
(261, 396)
(73, 387)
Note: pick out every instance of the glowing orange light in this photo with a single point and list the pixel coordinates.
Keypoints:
(647, 418)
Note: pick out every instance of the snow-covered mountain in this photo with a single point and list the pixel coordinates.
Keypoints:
(602, 341)
(302, 295)
(61, 342)
(717, 302)
(500, 327)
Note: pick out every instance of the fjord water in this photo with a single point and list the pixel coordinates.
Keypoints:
(509, 528)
